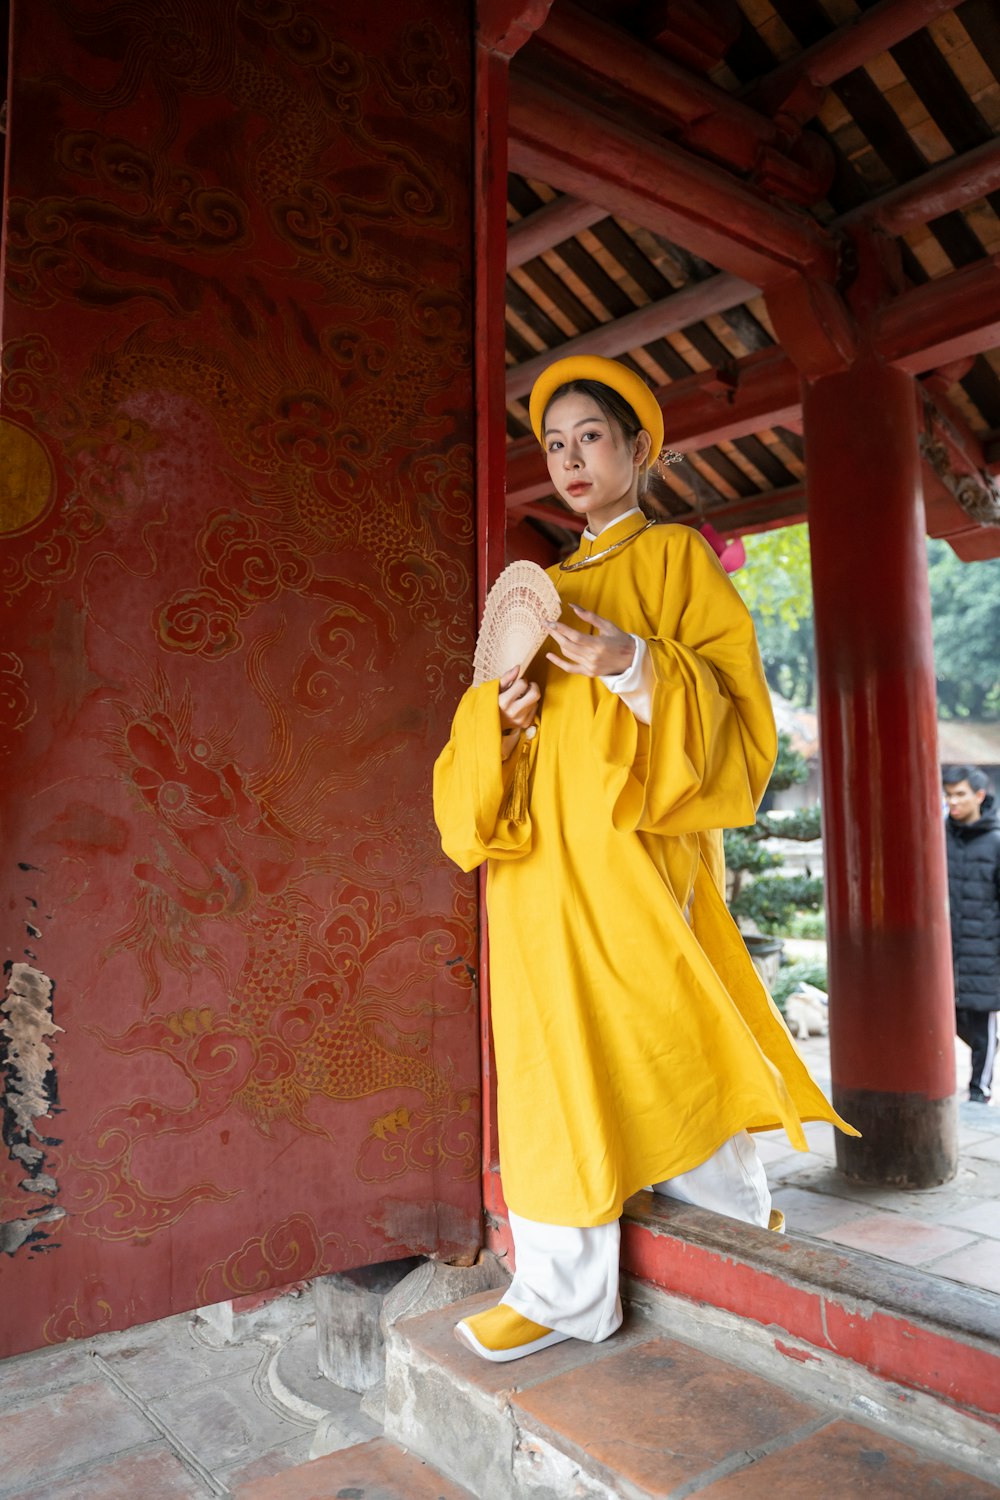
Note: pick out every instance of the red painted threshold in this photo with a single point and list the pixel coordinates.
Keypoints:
(904, 1325)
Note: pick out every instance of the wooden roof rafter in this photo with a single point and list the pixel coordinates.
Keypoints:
(926, 199)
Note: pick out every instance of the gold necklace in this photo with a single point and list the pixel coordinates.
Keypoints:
(596, 557)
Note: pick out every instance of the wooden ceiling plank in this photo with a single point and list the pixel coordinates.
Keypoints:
(643, 272)
(673, 365)
(603, 287)
(607, 291)
(678, 311)
(979, 17)
(550, 291)
(941, 93)
(518, 347)
(830, 54)
(533, 320)
(757, 452)
(547, 227)
(905, 162)
(736, 479)
(982, 386)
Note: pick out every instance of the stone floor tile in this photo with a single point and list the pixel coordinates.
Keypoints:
(897, 1237)
(152, 1473)
(979, 1218)
(27, 1375)
(986, 1150)
(659, 1414)
(976, 1265)
(795, 1164)
(66, 1428)
(227, 1421)
(276, 1461)
(174, 1355)
(773, 1148)
(808, 1213)
(855, 1464)
(375, 1471)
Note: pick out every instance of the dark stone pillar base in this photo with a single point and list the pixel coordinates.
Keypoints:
(907, 1140)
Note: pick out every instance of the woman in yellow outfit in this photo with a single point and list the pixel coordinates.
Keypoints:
(635, 1044)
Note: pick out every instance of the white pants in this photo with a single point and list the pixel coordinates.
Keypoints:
(567, 1279)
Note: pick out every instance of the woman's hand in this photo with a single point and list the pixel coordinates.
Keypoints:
(518, 700)
(606, 653)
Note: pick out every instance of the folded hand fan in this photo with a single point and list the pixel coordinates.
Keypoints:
(517, 607)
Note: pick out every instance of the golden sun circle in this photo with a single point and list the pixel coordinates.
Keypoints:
(27, 479)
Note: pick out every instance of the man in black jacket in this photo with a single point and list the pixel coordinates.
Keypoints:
(972, 837)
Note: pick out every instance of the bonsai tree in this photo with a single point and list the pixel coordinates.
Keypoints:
(767, 900)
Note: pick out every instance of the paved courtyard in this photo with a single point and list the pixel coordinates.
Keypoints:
(170, 1412)
(953, 1230)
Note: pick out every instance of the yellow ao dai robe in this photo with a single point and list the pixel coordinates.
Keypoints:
(630, 1043)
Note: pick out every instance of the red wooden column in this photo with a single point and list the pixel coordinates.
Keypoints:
(891, 1004)
(502, 27)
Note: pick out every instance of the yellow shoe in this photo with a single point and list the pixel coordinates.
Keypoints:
(502, 1334)
(776, 1221)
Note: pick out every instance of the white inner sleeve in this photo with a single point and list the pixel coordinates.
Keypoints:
(635, 685)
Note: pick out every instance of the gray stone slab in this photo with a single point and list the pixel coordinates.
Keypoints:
(809, 1213)
(55, 1433)
(152, 1473)
(176, 1354)
(226, 1422)
(982, 1218)
(987, 1149)
(275, 1461)
(25, 1376)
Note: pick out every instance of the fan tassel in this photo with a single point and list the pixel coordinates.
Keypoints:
(515, 803)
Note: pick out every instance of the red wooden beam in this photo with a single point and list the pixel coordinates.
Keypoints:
(942, 320)
(695, 34)
(699, 114)
(951, 185)
(549, 226)
(692, 304)
(568, 520)
(766, 512)
(636, 174)
(796, 86)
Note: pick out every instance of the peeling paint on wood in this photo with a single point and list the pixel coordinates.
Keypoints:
(30, 1094)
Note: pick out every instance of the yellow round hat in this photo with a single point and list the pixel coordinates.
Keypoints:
(631, 387)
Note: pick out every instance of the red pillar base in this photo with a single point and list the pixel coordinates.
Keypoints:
(923, 1134)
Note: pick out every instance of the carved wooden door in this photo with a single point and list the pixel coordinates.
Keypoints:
(239, 1029)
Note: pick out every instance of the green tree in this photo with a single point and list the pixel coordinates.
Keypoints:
(776, 586)
(771, 900)
(965, 610)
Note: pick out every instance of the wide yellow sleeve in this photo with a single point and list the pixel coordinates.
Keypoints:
(705, 759)
(470, 784)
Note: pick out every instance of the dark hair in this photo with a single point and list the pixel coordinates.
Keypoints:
(978, 780)
(616, 409)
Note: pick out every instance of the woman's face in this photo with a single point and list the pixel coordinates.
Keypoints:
(592, 464)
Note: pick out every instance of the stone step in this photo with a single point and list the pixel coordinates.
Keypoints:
(378, 1470)
(650, 1414)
